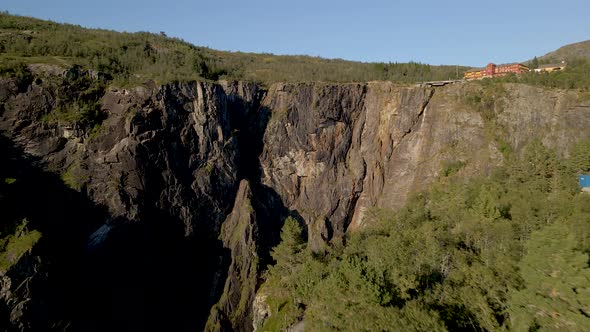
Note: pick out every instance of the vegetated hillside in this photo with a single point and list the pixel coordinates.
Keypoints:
(155, 206)
(569, 52)
(134, 58)
(504, 252)
(575, 76)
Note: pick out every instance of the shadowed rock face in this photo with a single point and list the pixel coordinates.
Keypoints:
(239, 234)
(165, 166)
(177, 232)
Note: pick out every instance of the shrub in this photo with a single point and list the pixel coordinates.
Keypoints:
(463, 255)
(14, 246)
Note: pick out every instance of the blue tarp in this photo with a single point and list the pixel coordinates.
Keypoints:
(584, 180)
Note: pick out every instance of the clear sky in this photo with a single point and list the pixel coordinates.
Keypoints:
(467, 32)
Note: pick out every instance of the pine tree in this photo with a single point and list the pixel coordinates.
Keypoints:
(556, 296)
(534, 63)
(538, 167)
(580, 158)
(292, 243)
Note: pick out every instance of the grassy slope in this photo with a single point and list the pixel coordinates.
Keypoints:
(569, 52)
(134, 58)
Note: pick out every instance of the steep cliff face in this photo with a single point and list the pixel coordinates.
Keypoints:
(170, 148)
(332, 152)
(164, 168)
(326, 147)
(171, 231)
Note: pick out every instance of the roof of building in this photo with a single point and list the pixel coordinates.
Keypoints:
(512, 64)
(497, 66)
(552, 65)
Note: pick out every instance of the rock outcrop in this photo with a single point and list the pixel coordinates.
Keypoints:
(239, 232)
(164, 164)
(187, 183)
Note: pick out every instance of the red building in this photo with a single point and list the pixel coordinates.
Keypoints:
(492, 70)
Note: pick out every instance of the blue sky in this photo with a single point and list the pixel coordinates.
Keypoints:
(437, 32)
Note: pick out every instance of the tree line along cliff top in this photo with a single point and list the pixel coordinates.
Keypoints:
(135, 58)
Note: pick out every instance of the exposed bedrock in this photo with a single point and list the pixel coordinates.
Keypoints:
(163, 216)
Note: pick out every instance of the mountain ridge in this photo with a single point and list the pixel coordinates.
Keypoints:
(569, 52)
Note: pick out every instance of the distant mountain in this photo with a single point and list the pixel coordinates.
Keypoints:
(568, 52)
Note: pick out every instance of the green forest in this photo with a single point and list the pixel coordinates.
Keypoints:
(134, 58)
(508, 252)
(575, 76)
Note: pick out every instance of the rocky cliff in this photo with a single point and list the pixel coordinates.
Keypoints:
(332, 152)
(168, 206)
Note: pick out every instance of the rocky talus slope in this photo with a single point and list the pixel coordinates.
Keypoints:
(162, 217)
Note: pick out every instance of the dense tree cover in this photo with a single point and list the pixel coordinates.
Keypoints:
(504, 252)
(134, 58)
(557, 279)
(575, 76)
